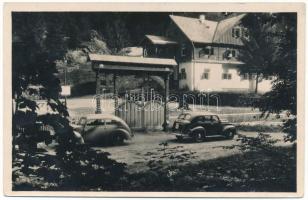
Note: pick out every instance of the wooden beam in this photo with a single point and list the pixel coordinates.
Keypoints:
(125, 68)
(115, 93)
(98, 109)
(166, 113)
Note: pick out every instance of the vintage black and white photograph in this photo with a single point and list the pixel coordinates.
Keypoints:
(139, 101)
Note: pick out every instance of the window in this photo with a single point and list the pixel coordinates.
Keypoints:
(245, 33)
(236, 32)
(183, 50)
(96, 122)
(226, 76)
(205, 74)
(209, 50)
(182, 74)
(245, 76)
(233, 53)
(228, 54)
(268, 78)
(206, 51)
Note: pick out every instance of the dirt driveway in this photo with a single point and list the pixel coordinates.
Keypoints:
(162, 148)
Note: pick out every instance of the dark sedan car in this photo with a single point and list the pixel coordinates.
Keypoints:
(103, 129)
(199, 126)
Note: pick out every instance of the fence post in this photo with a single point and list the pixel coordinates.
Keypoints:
(142, 110)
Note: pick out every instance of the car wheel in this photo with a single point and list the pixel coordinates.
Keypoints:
(229, 134)
(179, 138)
(199, 136)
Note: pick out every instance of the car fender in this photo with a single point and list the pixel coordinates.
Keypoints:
(197, 128)
(229, 127)
(78, 137)
(123, 132)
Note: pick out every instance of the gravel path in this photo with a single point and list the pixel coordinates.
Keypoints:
(145, 148)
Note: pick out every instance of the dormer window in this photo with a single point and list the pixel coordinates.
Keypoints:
(245, 33)
(228, 54)
(236, 32)
(233, 53)
(207, 51)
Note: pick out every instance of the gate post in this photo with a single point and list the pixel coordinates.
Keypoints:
(115, 93)
(166, 114)
(142, 110)
(98, 93)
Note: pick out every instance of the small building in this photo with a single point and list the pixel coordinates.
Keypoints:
(207, 54)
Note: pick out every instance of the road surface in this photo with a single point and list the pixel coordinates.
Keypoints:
(145, 148)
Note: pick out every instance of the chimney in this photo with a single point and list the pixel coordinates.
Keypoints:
(202, 18)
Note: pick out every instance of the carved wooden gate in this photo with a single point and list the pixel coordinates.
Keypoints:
(142, 115)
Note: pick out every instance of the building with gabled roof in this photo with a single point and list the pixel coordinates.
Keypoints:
(206, 52)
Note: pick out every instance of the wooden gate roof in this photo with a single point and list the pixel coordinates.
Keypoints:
(129, 63)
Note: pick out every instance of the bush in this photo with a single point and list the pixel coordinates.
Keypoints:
(234, 99)
(77, 170)
(88, 88)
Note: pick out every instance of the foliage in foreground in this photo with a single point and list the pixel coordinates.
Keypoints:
(260, 167)
(77, 170)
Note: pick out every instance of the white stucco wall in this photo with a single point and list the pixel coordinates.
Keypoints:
(264, 86)
(194, 81)
(189, 75)
(215, 81)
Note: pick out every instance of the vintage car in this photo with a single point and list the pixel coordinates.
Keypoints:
(198, 126)
(100, 129)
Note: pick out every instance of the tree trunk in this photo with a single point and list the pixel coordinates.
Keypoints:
(257, 81)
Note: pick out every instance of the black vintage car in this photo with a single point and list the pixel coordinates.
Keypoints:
(199, 126)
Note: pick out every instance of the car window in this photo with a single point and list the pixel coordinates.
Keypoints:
(199, 119)
(95, 122)
(108, 121)
(115, 122)
(207, 118)
(215, 119)
(82, 121)
(184, 116)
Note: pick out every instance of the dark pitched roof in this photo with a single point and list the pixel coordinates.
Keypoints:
(205, 31)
